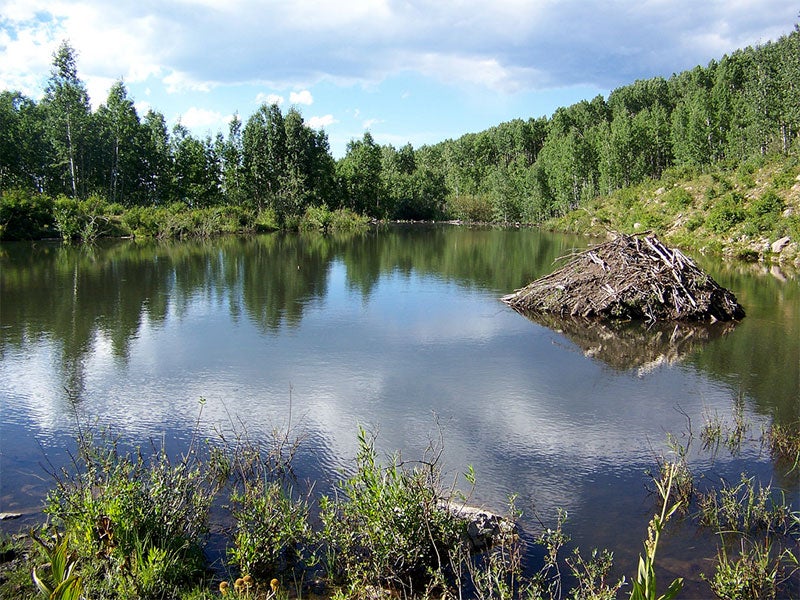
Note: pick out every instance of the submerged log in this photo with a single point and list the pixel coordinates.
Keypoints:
(629, 278)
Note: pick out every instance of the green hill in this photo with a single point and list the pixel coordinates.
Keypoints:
(745, 212)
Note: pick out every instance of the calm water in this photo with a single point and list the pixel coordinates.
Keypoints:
(397, 330)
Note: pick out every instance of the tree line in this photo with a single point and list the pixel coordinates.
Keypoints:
(743, 105)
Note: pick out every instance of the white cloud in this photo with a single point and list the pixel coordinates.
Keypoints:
(178, 82)
(142, 107)
(506, 46)
(269, 99)
(303, 97)
(370, 122)
(321, 122)
(196, 118)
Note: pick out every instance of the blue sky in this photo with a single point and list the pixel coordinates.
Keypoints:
(406, 70)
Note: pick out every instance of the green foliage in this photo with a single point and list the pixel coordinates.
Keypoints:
(132, 526)
(694, 222)
(736, 112)
(320, 218)
(764, 212)
(345, 220)
(746, 508)
(266, 220)
(273, 534)
(788, 174)
(753, 575)
(24, 215)
(388, 526)
(644, 586)
(62, 583)
(784, 443)
(678, 199)
(470, 208)
(592, 574)
(726, 213)
(83, 220)
(145, 519)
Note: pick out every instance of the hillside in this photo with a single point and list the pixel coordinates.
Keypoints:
(745, 212)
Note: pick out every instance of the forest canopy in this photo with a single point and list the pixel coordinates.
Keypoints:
(743, 105)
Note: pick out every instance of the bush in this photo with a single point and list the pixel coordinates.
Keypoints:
(678, 199)
(83, 220)
(266, 220)
(695, 222)
(389, 526)
(345, 220)
(316, 218)
(144, 221)
(273, 533)
(138, 523)
(25, 216)
(726, 213)
(471, 208)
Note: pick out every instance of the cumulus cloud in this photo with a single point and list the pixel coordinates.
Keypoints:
(321, 122)
(178, 82)
(303, 97)
(269, 99)
(506, 45)
(196, 118)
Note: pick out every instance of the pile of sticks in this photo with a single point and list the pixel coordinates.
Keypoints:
(629, 278)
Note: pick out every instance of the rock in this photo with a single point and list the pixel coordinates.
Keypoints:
(776, 272)
(780, 244)
(7, 516)
(484, 528)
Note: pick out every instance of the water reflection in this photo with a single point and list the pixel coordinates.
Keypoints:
(634, 345)
(394, 329)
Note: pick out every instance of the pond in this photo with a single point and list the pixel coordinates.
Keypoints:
(401, 331)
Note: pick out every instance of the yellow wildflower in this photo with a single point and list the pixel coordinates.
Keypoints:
(223, 587)
(274, 584)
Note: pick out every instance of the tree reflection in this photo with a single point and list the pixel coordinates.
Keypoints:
(78, 297)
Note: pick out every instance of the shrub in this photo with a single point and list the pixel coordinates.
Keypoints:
(273, 533)
(678, 199)
(695, 222)
(83, 220)
(388, 526)
(469, 207)
(24, 216)
(266, 220)
(316, 218)
(144, 221)
(346, 220)
(764, 212)
(140, 523)
(726, 213)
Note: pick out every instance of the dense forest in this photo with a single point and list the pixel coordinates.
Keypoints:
(58, 154)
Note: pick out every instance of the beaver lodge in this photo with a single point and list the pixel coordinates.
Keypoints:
(629, 278)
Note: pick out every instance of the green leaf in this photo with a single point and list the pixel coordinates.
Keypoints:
(673, 590)
(43, 587)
